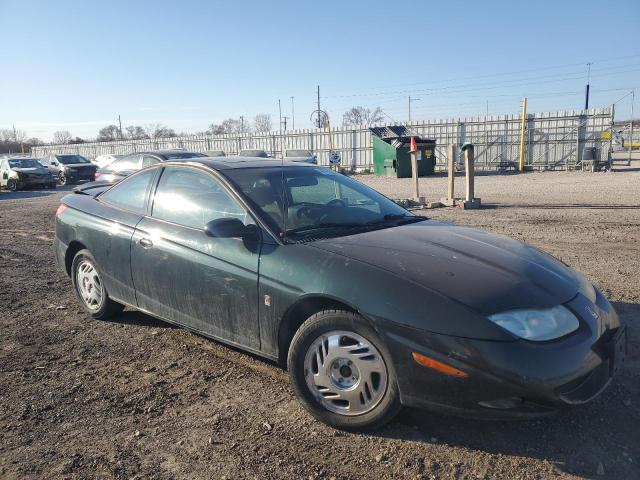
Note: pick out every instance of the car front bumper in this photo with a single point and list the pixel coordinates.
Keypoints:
(512, 379)
(34, 181)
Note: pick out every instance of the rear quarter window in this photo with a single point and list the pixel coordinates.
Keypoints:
(131, 193)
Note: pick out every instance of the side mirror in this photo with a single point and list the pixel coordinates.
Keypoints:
(55, 164)
(227, 227)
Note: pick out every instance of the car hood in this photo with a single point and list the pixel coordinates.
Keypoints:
(30, 170)
(486, 272)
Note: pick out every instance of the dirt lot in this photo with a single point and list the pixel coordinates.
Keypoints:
(136, 398)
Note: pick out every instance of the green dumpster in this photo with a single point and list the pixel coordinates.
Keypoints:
(392, 156)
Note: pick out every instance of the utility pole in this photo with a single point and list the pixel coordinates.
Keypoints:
(285, 118)
(586, 91)
(279, 115)
(293, 116)
(241, 123)
(410, 100)
(319, 120)
(120, 123)
(633, 97)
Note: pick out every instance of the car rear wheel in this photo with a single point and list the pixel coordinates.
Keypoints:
(90, 289)
(12, 185)
(342, 372)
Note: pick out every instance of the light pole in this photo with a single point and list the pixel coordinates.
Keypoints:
(586, 90)
(280, 115)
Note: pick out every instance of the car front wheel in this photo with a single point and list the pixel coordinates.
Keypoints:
(90, 289)
(12, 185)
(342, 372)
(62, 178)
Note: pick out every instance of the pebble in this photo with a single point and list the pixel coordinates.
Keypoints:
(267, 426)
(137, 433)
(379, 458)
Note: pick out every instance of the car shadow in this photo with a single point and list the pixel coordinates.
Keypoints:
(577, 441)
(134, 317)
(20, 194)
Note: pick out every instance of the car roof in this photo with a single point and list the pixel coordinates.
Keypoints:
(228, 163)
(165, 151)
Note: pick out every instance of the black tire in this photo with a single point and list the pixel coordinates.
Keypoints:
(106, 307)
(12, 185)
(62, 178)
(388, 405)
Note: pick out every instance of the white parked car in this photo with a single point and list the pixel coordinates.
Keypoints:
(103, 160)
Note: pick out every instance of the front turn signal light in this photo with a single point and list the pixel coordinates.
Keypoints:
(438, 366)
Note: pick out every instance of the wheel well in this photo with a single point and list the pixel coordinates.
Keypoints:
(297, 314)
(73, 248)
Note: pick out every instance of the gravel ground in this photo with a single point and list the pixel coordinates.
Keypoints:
(136, 398)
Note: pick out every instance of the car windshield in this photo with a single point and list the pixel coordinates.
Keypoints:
(253, 153)
(298, 153)
(315, 202)
(72, 159)
(178, 155)
(24, 163)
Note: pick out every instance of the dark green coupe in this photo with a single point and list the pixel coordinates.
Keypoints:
(369, 306)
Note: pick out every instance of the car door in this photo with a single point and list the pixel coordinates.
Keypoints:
(118, 211)
(183, 275)
(4, 172)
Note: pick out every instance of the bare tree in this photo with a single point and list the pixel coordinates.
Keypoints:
(62, 137)
(108, 134)
(158, 130)
(136, 132)
(262, 122)
(215, 129)
(362, 116)
(230, 125)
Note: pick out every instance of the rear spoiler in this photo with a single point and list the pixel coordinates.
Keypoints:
(92, 189)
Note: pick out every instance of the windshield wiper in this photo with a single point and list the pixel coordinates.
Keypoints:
(397, 217)
(320, 226)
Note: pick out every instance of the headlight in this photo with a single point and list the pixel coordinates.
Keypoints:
(14, 174)
(538, 325)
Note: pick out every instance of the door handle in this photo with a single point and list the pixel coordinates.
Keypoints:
(145, 243)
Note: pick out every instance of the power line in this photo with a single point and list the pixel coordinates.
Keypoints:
(502, 74)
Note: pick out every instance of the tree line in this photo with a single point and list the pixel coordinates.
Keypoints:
(14, 140)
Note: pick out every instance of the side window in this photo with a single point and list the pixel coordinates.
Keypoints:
(130, 162)
(148, 160)
(130, 194)
(191, 198)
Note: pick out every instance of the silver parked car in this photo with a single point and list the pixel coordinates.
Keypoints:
(301, 156)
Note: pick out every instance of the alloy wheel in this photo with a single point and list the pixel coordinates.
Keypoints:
(12, 185)
(345, 372)
(62, 179)
(89, 285)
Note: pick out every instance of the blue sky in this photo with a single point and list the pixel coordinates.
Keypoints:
(76, 65)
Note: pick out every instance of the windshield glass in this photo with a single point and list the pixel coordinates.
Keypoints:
(298, 153)
(25, 163)
(172, 156)
(72, 159)
(305, 202)
(253, 153)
